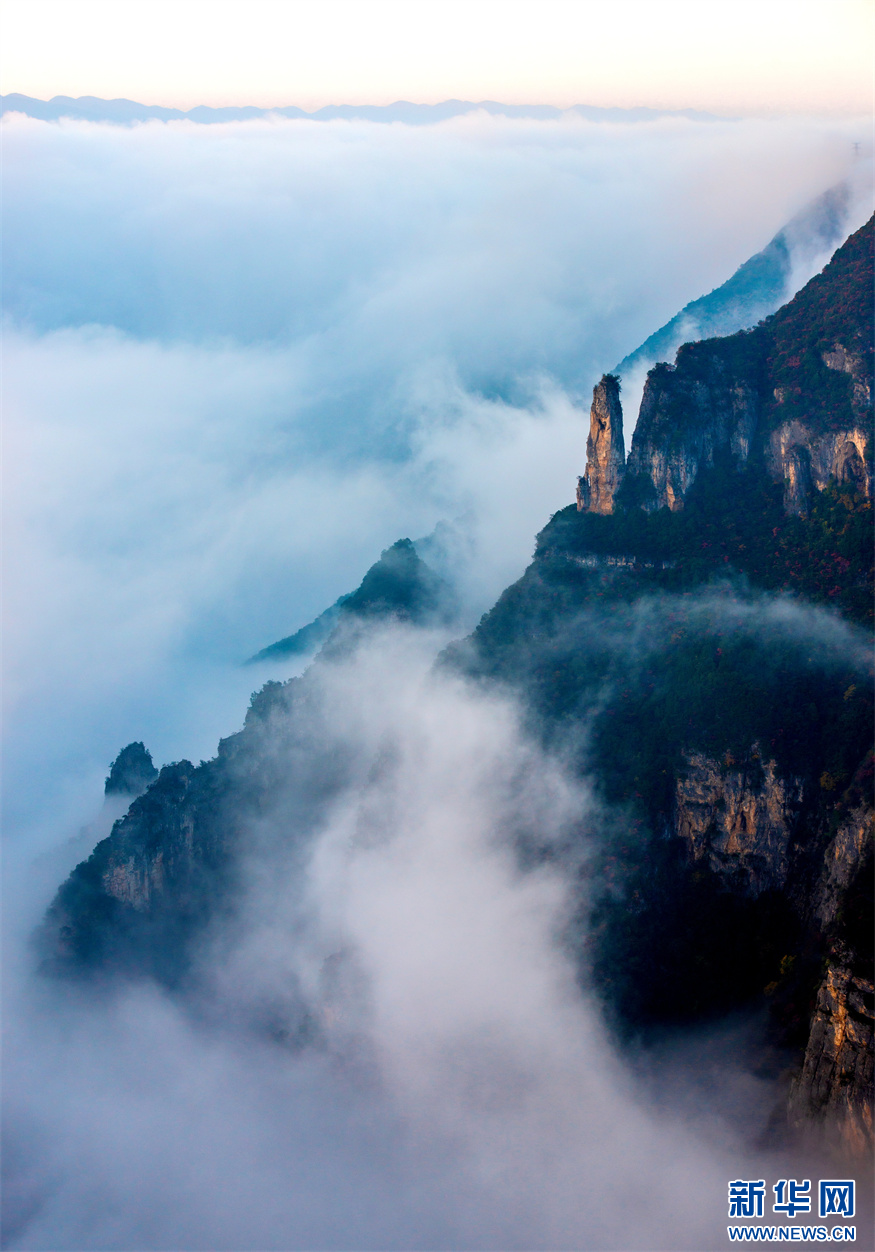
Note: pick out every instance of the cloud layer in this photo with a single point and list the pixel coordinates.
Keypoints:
(239, 362)
(455, 1089)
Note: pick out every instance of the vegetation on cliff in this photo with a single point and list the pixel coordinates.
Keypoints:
(643, 637)
(835, 307)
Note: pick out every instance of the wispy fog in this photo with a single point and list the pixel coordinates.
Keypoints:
(240, 361)
(393, 1049)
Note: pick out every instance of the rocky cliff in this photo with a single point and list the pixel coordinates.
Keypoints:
(691, 413)
(793, 395)
(134, 901)
(751, 457)
(833, 1089)
(605, 450)
(739, 818)
(750, 826)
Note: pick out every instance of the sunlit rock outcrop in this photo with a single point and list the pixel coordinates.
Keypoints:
(605, 450)
(739, 818)
(807, 461)
(833, 1092)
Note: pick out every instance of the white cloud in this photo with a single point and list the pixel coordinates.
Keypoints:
(459, 1091)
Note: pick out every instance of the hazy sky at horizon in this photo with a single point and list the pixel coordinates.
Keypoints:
(745, 57)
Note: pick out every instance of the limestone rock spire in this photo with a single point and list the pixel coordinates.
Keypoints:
(605, 451)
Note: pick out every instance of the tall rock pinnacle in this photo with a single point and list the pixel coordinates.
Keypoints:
(605, 451)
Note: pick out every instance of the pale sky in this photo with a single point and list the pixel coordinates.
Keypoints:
(726, 55)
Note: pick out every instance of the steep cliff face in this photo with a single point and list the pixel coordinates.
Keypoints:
(605, 450)
(845, 860)
(792, 398)
(834, 1090)
(805, 455)
(132, 903)
(794, 394)
(155, 845)
(745, 824)
(690, 413)
(739, 819)
(807, 461)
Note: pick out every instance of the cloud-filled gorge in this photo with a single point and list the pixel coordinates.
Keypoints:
(240, 361)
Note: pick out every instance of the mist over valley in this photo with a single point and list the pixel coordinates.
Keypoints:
(519, 907)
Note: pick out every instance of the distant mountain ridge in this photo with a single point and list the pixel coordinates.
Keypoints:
(125, 112)
(757, 288)
(401, 585)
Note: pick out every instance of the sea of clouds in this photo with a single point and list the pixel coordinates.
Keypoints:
(239, 361)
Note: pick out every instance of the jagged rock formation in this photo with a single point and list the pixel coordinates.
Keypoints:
(170, 865)
(135, 870)
(131, 772)
(751, 454)
(605, 450)
(846, 856)
(739, 819)
(794, 394)
(142, 890)
(833, 1090)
